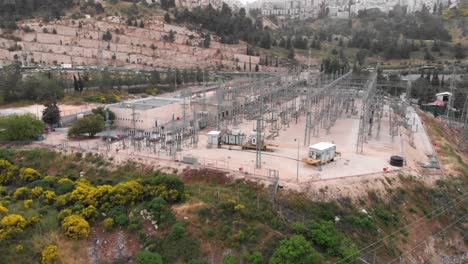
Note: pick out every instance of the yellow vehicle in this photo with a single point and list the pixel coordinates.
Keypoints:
(254, 147)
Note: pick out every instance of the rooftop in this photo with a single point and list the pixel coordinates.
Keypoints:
(322, 146)
(148, 103)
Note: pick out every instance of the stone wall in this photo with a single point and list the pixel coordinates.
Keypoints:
(79, 42)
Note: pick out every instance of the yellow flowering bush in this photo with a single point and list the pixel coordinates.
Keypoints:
(49, 254)
(34, 220)
(64, 213)
(29, 174)
(19, 248)
(127, 193)
(36, 192)
(3, 210)
(8, 172)
(49, 197)
(84, 192)
(89, 213)
(239, 207)
(108, 223)
(61, 200)
(75, 226)
(22, 193)
(13, 221)
(27, 203)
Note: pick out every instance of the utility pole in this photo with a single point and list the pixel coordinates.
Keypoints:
(195, 128)
(449, 113)
(173, 139)
(259, 138)
(464, 120)
(107, 123)
(134, 114)
(219, 97)
(297, 167)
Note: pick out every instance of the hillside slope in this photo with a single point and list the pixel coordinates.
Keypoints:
(80, 42)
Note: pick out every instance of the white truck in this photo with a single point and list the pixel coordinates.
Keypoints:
(321, 153)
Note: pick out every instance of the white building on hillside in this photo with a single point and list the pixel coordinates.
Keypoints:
(303, 9)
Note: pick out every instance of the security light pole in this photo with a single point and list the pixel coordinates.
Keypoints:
(297, 167)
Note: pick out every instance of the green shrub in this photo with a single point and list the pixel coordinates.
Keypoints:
(324, 234)
(135, 224)
(178, 250)
(276, 223)
(173, 187)
(20, 127)
(385, 215)
(203, 213)
(298, 228)
(254, 258)
(178, 230)
(210, 232)
(361, 220)
(161, 211)
(147, 257)
(229, 259)
(108, 224)
(295, 250)
(197, 261)
(119, 215)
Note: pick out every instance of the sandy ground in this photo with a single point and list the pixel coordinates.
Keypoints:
(284, 158)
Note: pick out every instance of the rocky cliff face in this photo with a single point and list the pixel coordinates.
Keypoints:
(80, 42)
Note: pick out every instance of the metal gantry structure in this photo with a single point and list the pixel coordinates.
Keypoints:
(366, 120)
(271, 103)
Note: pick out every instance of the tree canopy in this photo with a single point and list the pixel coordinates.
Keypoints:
(51, 113)
(295, 250)
(230, 26)
(90, 125)
(102, 112)
(148, 257)
(20, 127)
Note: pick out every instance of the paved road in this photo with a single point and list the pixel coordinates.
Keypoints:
(421, 139)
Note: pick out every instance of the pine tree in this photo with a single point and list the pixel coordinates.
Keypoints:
(207, 40)
(266, 41)
(51, 113)
(80, 83)
(75, 84)
(427, 55)
(291, 54)
(167, 18)
(459, 51)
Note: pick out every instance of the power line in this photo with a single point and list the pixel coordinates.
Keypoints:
(432, 236)
(404, 227)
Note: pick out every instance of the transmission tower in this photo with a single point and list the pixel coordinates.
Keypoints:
(464, 121)
(449, 111)
(258, 161)
(134, 117)
(108, 124)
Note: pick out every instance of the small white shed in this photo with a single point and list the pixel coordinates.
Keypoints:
(323, 151)
(214, 138)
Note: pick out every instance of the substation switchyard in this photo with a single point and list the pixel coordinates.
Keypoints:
(302, 127)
